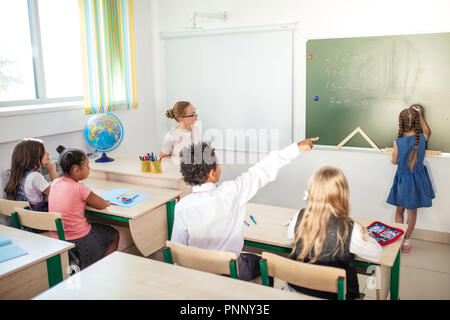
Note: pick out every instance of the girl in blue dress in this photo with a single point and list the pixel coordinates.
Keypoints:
(412, 187)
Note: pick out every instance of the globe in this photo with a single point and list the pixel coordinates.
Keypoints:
(104, 133)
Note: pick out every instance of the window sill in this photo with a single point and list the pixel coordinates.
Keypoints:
(41, 120)
(40, 108)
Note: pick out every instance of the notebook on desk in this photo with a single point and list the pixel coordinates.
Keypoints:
(124, 197)
(8, 250)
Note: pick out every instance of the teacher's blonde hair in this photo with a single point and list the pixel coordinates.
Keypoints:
(178, 110)
(328, 195)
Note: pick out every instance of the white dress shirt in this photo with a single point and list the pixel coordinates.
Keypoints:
(368, 249)
(212, 217)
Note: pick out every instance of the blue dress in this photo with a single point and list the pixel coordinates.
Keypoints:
(411, 190)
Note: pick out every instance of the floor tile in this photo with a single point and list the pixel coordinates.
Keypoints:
(427, 255)
(423, 284)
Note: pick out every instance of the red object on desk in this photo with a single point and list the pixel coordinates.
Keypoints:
(383, 233)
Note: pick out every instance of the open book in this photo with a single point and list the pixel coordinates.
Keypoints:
(8, 250)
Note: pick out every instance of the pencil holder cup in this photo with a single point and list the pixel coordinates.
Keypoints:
(155, 166)
(145, 166)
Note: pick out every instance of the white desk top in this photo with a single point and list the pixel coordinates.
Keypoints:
(271, 230)
(129, 164)
(159, 197)
(124, 276)
(39, 248)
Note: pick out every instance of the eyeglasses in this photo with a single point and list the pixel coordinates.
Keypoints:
(191, 115)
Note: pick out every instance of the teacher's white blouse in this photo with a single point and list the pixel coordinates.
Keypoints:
(178, 139)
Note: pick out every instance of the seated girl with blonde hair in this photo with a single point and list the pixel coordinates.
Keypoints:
(324, 233)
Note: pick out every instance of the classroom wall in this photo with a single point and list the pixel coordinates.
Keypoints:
(370, 175)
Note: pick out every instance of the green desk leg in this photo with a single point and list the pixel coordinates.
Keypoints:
(170, 208)
(167, 255)
(341, 288)
(233, 269)
(54, 270)
(395, 278)
(264, 274)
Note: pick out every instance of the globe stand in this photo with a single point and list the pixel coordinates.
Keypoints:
(104, 158)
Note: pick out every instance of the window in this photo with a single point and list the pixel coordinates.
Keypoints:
(40, 55)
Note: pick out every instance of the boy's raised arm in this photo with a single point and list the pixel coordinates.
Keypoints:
(266, 170)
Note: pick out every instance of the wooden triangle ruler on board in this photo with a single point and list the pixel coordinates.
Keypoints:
(427, 152)
(358, 129)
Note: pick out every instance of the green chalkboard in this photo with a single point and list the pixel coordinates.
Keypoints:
(367, 81)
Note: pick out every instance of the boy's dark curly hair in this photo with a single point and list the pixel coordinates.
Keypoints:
(197, 160)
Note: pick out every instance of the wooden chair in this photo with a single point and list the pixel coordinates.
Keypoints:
(50, 221)
(7, 206)
(218, 262)
(306, 275)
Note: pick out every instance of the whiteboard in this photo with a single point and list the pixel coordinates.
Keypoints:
(239, 82)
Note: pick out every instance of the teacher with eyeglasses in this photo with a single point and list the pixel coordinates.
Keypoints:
(184, 134)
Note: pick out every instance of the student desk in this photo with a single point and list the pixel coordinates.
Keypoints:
(127, 168)
(146, 220)
(44, 266)
(124, 276)
(270, 233)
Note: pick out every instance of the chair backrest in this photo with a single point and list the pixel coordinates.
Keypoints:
(7, 206)
(219, 262)
(306, 275)
(39, 220)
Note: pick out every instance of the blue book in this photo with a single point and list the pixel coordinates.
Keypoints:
(8, 250)
(124, 197)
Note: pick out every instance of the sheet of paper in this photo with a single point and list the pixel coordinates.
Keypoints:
(8, 250)
(115, 197)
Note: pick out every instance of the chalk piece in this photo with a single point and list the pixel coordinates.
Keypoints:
(316, 98)
(309, 56)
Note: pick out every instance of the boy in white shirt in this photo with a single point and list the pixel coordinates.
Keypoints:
(212, 217)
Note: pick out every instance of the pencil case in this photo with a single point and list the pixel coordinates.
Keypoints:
(383, 233)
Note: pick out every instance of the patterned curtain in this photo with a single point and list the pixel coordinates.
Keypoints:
(107, 31)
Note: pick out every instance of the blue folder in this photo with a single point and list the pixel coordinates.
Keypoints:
(8, 250)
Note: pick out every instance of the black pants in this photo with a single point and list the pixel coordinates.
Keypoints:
(248, 264)
(92, 246)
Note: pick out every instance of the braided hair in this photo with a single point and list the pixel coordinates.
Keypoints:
(409, 120)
